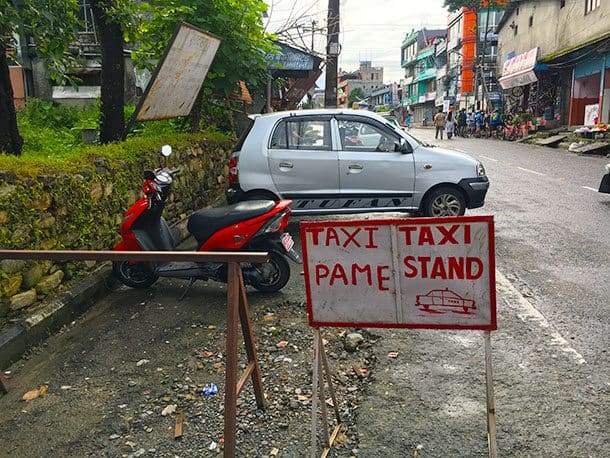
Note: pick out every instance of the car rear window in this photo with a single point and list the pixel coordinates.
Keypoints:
(242, 138)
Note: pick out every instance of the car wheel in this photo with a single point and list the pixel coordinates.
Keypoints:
(444, 201)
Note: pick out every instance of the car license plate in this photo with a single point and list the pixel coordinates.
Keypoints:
(287, 241)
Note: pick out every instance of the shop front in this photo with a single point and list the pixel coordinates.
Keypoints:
(590, 101)
(517, 76)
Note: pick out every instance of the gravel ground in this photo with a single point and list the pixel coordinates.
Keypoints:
(113, 393)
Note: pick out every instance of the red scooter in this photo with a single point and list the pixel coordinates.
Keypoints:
(256, 225)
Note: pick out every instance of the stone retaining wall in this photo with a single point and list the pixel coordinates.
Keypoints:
(83, 211)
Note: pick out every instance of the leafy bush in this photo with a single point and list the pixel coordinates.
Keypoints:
(53, 142)
(55, 131)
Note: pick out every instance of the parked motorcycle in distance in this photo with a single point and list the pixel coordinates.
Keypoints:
(256, 225)
(604, 186)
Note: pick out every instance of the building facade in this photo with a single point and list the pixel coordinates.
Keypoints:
(555, 59)
(418, 58)
(368, 78)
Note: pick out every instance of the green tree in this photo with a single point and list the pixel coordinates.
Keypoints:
(454, 5)
(238, 23)
(355, 96)
(52, 26)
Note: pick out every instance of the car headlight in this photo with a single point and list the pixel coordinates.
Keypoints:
(480, 170)
(607, 168)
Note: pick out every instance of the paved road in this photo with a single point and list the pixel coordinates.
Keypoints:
(551, 361)
(550, 353)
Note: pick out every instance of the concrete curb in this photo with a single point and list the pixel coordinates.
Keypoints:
(19, 338)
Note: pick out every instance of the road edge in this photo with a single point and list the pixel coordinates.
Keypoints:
(16, 340)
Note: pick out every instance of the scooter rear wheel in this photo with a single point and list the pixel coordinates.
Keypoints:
(134, 275)
(274, 274)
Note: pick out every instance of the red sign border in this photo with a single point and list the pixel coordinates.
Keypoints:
(492, 326)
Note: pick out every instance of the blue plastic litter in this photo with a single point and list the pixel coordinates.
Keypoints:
(210, 389)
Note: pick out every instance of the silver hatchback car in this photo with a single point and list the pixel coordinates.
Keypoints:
(348, 161)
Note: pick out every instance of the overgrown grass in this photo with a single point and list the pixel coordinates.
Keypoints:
(52, 137)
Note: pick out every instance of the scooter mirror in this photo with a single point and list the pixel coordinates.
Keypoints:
(166, 150)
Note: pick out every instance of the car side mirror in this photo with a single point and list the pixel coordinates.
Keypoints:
(403, 147)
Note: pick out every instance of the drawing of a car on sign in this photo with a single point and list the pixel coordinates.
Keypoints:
(443, 300)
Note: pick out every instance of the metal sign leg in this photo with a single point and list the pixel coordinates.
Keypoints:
(491, 409)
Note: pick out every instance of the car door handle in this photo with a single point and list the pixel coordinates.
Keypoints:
(355, 167)
(286, 165)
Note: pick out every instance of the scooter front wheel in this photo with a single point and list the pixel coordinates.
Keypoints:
(134, 275)
(273, 274)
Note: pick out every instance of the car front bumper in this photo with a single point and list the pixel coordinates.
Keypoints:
(475, 190)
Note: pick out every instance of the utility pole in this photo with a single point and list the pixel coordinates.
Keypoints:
(332, 54)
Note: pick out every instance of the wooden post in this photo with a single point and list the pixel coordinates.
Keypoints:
(314, 398)
(237, 308)
(320, 367)
(253, 367)
(3, 387)
(230, 412)
(491, 410)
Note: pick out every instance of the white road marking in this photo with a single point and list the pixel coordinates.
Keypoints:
(530, 171)
(527, 312)
(590, 189)
(489, 158)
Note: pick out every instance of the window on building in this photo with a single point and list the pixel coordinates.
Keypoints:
(516, 30)
(489, 19)
(591, 5)
(562, 3)
(531, 22)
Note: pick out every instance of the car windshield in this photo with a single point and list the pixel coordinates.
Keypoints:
(402, 132)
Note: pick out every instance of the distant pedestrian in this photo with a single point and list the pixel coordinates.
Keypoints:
(450, 124)
(439, 123)
(462, 121)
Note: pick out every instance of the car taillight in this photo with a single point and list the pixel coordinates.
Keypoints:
(232, 176)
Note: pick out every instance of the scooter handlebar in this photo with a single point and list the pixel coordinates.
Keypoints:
(174, 172)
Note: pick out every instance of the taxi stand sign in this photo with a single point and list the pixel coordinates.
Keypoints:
(435, 273)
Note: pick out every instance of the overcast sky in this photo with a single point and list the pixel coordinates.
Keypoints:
(370, 29)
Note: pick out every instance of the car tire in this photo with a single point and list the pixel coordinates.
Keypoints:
(444, 201)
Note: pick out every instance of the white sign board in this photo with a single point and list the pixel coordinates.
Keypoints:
(404, 273)
(591, 112)
(179, 76)
(521, 62)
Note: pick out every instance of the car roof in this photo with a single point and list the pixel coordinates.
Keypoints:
(317, 112)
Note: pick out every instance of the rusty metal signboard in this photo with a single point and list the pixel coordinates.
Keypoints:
(179, 76)
(436, 273)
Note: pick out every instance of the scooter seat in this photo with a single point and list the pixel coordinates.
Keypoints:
(203, 223)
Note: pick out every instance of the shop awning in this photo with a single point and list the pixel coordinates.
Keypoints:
(521, 78)
(519, 70)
